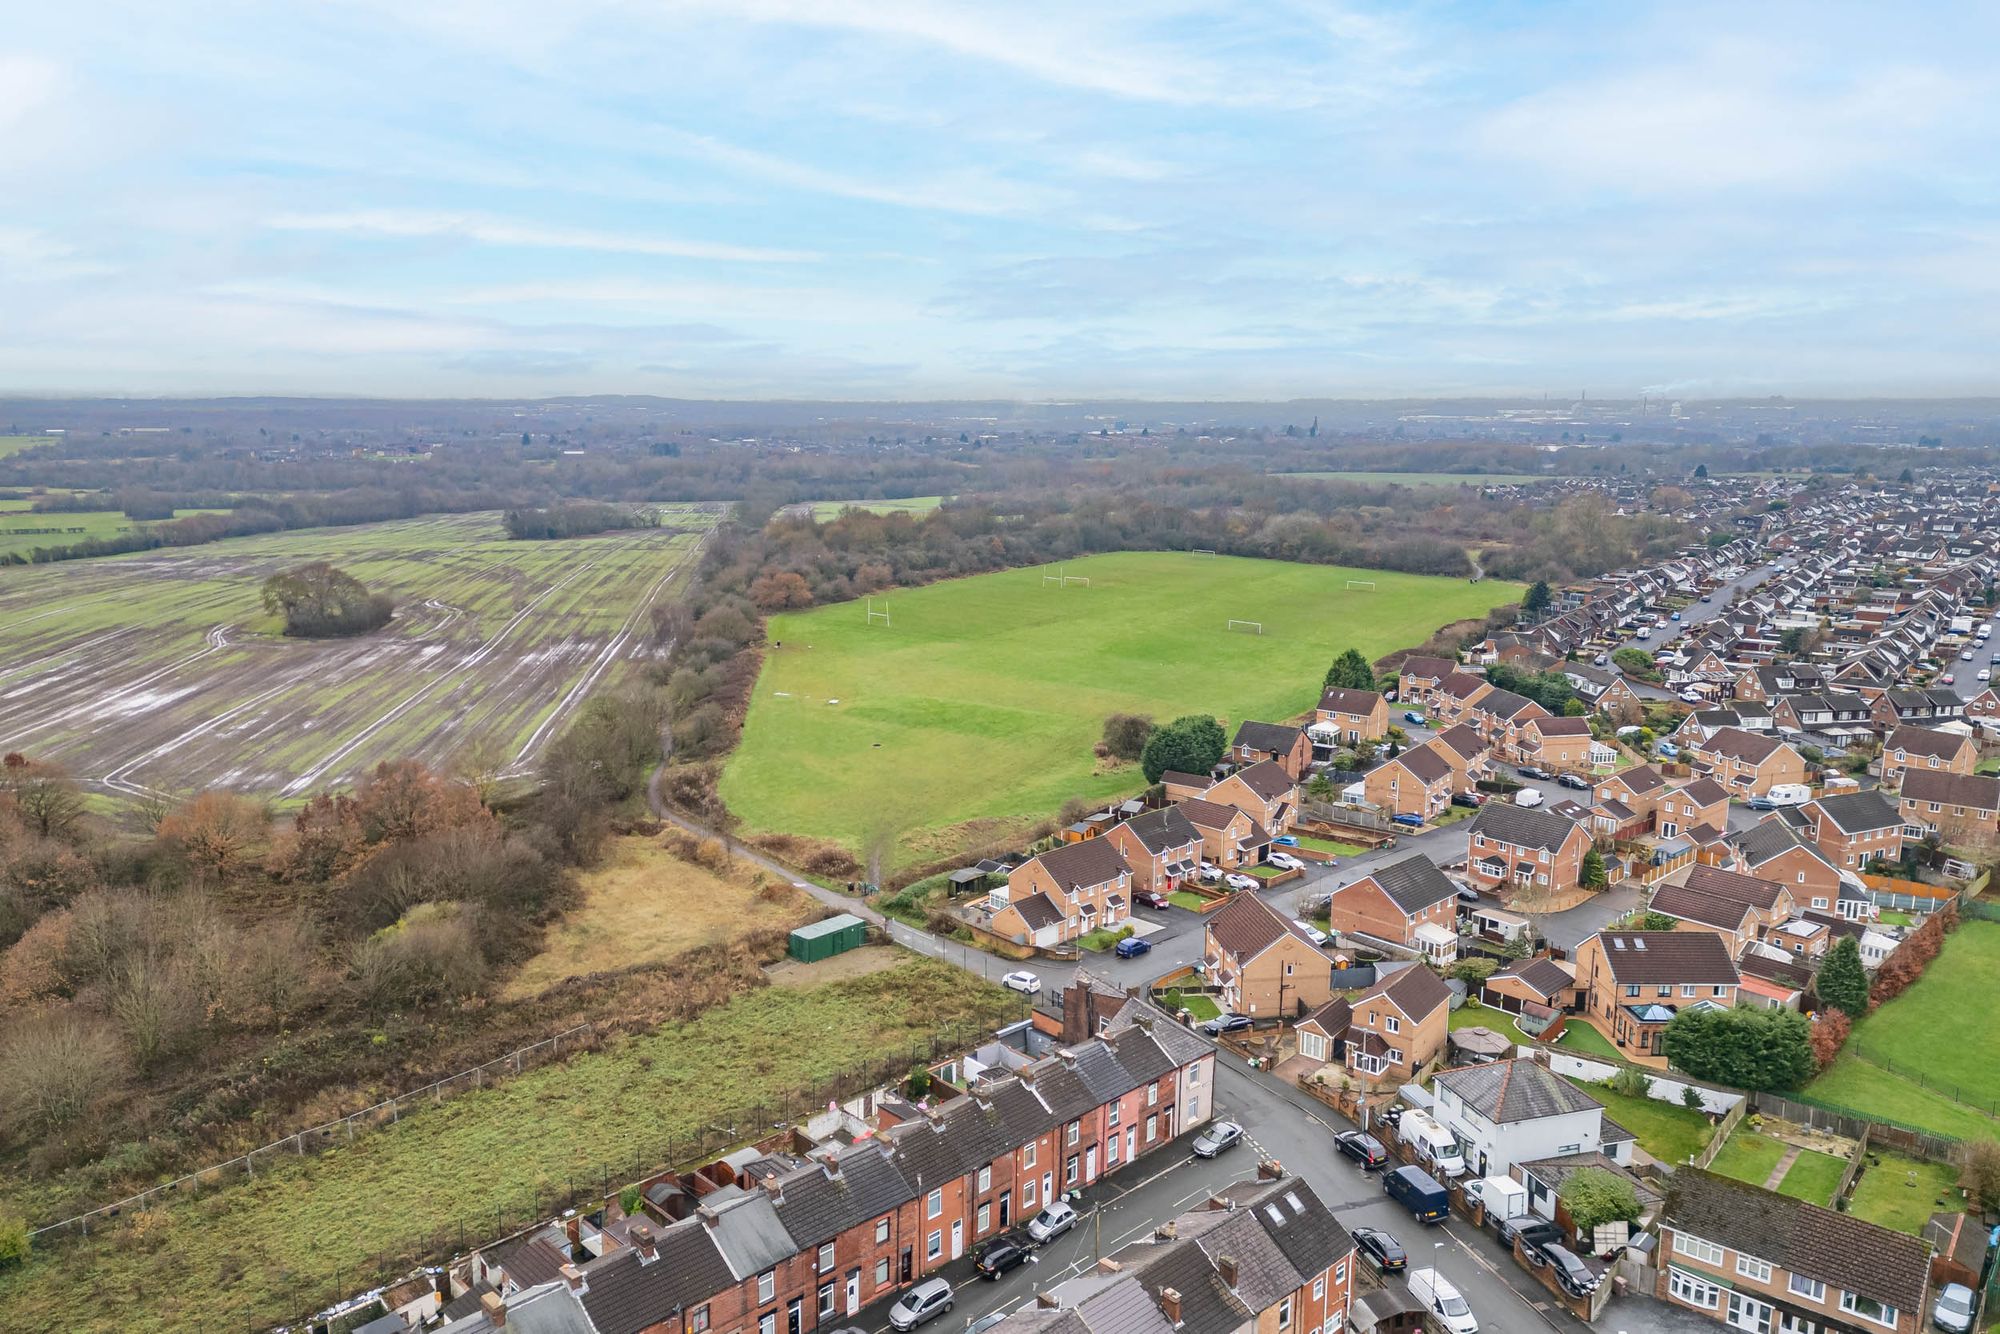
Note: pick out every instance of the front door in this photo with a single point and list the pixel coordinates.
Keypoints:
(1090, 1163)
(795, 1317)
(853, 1291)
(957, 1237)
(907, 1251)
(1131, 1141)
(1006, 1208)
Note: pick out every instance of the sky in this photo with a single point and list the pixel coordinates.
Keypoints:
(890, 198)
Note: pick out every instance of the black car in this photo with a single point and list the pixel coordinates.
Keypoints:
(999, 1256)
(1577, 781)
(1575, 1276)
(1530, 1229)
(1387, 1253)
(1534, 771)
(1472, 799)
(1362, 1147)
(1225, 1023)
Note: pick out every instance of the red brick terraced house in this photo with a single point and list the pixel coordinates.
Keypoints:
(1703, 802)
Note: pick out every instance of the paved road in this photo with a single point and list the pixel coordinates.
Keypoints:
(1693, 615)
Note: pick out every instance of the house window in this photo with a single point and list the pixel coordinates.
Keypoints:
(1664, 992)
(1111, 1117)
(1152, 1095)
(1152, 1128)
(825, 1258)
(985, 1217)
(1285, 1314)
(1796, 1324)
(1687, 989)
(1028, 1193)
(698, 1319)
(1717, 990)
(1696, 1249)
(1393, 1024)
(767, 1285)
(881, 1273)
(1319, 1288)
(934, 1204)
(1809, 1288)
(826, 1299)
(881, 1230)
(986, 1178)
(1288, 970)
(934, 1245)
(1070, 1134)
(1751, 1267)
(1687, 1288)
(1632, 992)
(1340, 1273)
(1027, 1155)
(1748, 1314)
(767, 1323)
(1868, 1308)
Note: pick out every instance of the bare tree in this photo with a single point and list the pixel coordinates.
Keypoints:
(54, 1065)
(48, 801)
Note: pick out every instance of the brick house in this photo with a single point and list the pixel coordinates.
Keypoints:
(1922, 748)
(1636, 981)
(1354, 715)
(1229, 837)
(1984, 706)
(1562, 744)
(1770, 902)
(1958, 808)
(1418, 679)
(1288, 747)
(1454, 698)
(1775, 851)
(1937, 704)
(1418, 782)
(1754, 1260)
(1701, 803)
(1461, 748)
(1519, 846)
(1064, 893)
(1748, 764)
(1856, 828)
(1604, 689)
(1160, 847)
(1409, 903)
(1398, 1026)
(1501, 717)
(1732, 919)
(1264, 964)
(1519, 985)
(1639, 789)
(1266, 791)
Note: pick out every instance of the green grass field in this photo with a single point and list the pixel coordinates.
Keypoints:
(1924, 1059)
(973, 713)
(160, 671)
(23, 531)
(254, 1253)
(1670, 1134)
(1903, 1193)
(1415, 479)
(14, 444)
(822, 510)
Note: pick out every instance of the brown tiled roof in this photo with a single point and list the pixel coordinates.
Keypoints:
(1038, 911)
(1641, 779)
(1542, 975)
(1163, 830)
(1692, 905)
(1342, 700)
(1415, 990)
(1463, 685)
(1561, 726)
(1975, 791)
(1175, 778)
(1461, 739)
(1705, 792)
(1737, 744)
(1837, 1249)
(1923, 741)
(1246, 926)
(1667, 958)
(1747, 889)
(1267, 778)
(1424, 763)
(1507, 704)
(1267, 736)
(1091, 862)
(1205, 814)
(1425, 667)
(1331, 1018)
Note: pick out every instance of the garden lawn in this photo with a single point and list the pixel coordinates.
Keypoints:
(1749, 1156)
(1579, 1036)
(971, 716)
(1180, 898)
(256, 1253)
(1196, 1004)
(1671, 1134)
(1487, 1016)
(1331, 847)
(1925, 1058)
(1884, 1194)
(1813, 1177)
(1102, 939)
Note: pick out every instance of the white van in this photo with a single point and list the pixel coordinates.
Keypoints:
(1528, 796)
(1436, 1147)
(1441, 1299)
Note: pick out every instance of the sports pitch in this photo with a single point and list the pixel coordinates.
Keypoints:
(158, 672)
(972, 713)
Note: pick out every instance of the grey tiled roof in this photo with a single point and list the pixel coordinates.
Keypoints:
(1522, 826)
(819, 1203)
(1859, 812)
(1509, 1091)
(624, 1295)
(1163, 830)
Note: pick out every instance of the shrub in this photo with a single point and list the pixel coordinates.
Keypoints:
(1473, 971)
(1745, 1047)
(13, 1241)
(1595, 1197)
(1979, 1171)
(430, 957)
(53, 1067)
(1125, 735)
(631, 1200)
(1631, 1082)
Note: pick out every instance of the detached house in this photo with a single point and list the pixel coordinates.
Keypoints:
(1958, 808)
(1418, 782)
(1264, 964)
(1919, 748)
(1418, 680)
(1501, 717)
(1352, 715)
(1562, 744)
(1509, 1112)
(1287, 747)
(1161, 847)
(1636, 981)
(1758, 1261)
(1397, 1027)
(1408, 903)
(1748, 764)
(1606, 691)
(1702, 803)
(1265, 790)
(1525, 848)
(1229, 837)
(1638, 789)
(1064, 893)
(1855, 829)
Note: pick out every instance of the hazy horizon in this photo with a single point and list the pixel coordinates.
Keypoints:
(901, 202)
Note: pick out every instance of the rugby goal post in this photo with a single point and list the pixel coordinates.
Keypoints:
(878, 614)
(1368, 584)
(1247, 627)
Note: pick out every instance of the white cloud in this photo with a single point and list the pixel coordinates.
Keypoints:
(32, 256)
(978, 193)
(502, 231)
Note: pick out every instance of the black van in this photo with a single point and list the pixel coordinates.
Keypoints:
(1417, 1191)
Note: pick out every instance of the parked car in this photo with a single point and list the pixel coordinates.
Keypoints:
(998, 1256)
(1413, 717)
(1225, 1023)
(1472, 799)
(1948, 679)
(1965, 656)
(1528, 1228)
(1311, 932)
(1467, 894)
(1152, 898)
(1577, 1278)
(1286, 840)
(1419, 1192)
(1056, 1218)
(928, 1299)
(1218, 1137)
(1237, 880)
(1708, 597)
(1528, 796)
(1387, 1253)
(1675, 617)
(1362, 1147)
(1952, 1311)
(1409, 821)
(1132, 947)
(1693, 697)
(1985, 674)
(1285, 861)
(1534, 771)
(1601, 660)
(1439, 1297)
(1023, 981)
(1577, 781)
(1209, 871)
(1667, 750)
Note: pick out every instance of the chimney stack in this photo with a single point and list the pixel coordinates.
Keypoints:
(495, 1308)
(574, 1277)
(1270, 1169)
(645, 1243)
(773, 1186)
(1167, 1231)
(1047, 1301)
(1107, 1265)
(709, 1218)
(1170, 1303)
(1225, 1265)
(573, 1229)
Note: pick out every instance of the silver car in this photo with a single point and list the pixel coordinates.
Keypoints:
(1953, 1311)
(932, 1297)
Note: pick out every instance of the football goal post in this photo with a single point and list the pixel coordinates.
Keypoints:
(1203, 551)
(1247, 627)
(878, 614)
(1083, 579)
(1368, 584)
(1053, 577)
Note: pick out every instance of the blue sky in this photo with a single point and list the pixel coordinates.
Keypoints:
(863, 198)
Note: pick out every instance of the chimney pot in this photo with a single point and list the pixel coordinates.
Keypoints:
(1170, 1303)
(645, 1243)
(574, 1277)
(1167, 1231)
(772, 1185)
(495, 1308)
(1225, 1265)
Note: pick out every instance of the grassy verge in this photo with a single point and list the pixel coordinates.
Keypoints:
(1103, 938)
(260, 1252)
(1671, 1134)
(1903, 1193)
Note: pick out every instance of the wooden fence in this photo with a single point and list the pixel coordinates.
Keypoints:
(1854, 1125)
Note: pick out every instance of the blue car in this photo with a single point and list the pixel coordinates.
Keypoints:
(1132, 947)
(1412, 716)
(1413, 821)
(1286, 841)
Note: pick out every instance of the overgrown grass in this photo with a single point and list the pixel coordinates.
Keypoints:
(1671, 1134)
(973, 714)
(256, 1253)
(1903, 1193)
